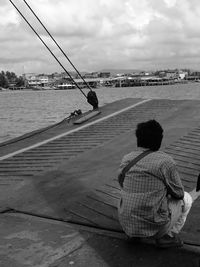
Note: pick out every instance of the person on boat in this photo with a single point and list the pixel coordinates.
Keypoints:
(153, 202)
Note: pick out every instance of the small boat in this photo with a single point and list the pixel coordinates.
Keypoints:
(65, 86)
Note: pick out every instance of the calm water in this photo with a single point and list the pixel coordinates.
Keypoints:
(24, 111)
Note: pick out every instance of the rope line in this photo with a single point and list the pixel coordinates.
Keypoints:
(57, 44)
(47, 47)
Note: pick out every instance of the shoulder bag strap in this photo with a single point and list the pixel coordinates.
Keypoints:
(121, 176)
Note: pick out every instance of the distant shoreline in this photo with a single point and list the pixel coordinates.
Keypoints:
(138, 84)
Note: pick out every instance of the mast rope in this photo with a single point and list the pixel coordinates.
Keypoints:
(57, 44)
(47, 47)
(91, 96)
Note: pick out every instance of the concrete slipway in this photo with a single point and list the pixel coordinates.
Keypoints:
(59, 191)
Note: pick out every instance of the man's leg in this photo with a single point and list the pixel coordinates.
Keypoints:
(165, 238)
(179, 211)
(194, 194)
(179, 215)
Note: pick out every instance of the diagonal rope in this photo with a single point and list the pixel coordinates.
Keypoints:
(47, 47)
(57, 44)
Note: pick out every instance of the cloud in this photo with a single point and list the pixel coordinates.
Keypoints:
(8, 16)
(97, 34)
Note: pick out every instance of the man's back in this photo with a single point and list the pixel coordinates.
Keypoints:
(143, 208)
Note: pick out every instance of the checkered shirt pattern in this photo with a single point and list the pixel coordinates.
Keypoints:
(143, 207)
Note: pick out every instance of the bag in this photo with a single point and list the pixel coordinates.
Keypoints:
(121, 175)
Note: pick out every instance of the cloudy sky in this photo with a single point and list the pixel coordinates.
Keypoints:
(101, 34)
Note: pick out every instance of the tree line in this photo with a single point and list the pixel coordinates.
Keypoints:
(10, 78)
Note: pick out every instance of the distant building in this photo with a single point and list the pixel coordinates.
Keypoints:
(43, 79)
(161, 74)
(171, 74)
(144, 73)
(91, 75)
(56, 76)
(182, 75)
(92, 82)
(35, 80)
(95, 74)
(73, 74)
(104, 74)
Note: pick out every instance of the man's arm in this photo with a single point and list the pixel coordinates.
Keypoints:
(172, 180)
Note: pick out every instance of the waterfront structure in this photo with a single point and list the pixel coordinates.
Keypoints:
(92, 82)
(182, 75)
(35, 81)
(97, 79)
(65, 86)
(90, 75)
(59, 188)
(104, 74)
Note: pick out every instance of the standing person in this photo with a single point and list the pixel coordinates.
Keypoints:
(153, 201)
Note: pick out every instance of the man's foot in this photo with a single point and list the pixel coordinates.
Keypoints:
(167, 242)
(194, 194)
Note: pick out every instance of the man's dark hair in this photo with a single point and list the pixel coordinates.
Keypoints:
(149, 135)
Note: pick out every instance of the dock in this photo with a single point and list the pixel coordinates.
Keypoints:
(59, 192)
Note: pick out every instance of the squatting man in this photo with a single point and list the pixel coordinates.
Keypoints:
(153, 202)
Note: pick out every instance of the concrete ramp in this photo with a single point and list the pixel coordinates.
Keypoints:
(99, 208)
(71, 176)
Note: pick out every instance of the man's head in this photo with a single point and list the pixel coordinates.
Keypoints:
(149, 135)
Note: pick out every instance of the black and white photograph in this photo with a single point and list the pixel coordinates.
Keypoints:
(99, 133)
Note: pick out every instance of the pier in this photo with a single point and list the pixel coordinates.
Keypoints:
(59, 191)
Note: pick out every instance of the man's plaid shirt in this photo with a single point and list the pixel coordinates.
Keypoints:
(143, 208)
